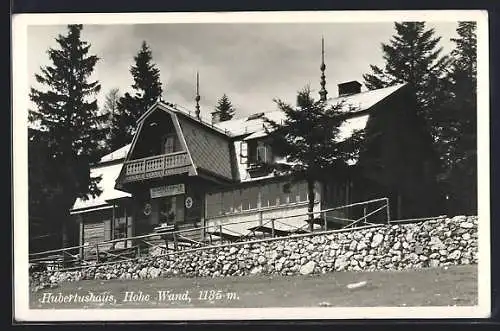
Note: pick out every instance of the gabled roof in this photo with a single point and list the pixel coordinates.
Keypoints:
(206, 145)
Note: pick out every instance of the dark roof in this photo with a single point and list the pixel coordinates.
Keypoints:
(209, 150)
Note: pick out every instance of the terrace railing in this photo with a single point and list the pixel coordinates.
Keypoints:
(156, 166)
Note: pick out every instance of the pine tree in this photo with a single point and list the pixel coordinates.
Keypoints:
(459, 120)
(110, 109)
(147, 88)
(69, 127)
(146, 78)
(413, 56)
(309, 140)
(225, 109)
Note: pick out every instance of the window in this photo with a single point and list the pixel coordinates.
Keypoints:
(302, 190)
(237, 200)
(249, 198)
(293, 193)
(120, 226)
(170, 144)
(263, 153)
(283, 194)
(168, 209)
(269, 195)
(317, 189)
(243, 152)
(227, 202)
(214, 204)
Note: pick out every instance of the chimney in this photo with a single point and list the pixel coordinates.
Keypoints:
(215, 117)
(349, 88)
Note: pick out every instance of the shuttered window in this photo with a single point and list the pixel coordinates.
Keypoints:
(107, 230)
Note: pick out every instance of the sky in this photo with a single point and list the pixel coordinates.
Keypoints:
(253, 63)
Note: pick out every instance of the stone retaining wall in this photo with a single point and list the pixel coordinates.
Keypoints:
(432, 243)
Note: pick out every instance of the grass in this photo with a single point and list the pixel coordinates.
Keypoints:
(452, 286)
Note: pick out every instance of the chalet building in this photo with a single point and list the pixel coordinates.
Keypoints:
(200, 174)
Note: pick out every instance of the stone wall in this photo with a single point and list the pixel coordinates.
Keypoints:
(433, 243)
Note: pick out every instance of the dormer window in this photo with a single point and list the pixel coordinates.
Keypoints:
(259, 158)
(255, 116)
(264, 154)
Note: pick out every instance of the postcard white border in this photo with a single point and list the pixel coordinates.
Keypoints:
(22, 312)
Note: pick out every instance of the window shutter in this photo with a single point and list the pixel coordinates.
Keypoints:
(107, 230)
(243, 152)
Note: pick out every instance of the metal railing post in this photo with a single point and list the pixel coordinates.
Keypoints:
(97, 252)
(175, 241)
(272, 228)
(388, 210)
(220, 232)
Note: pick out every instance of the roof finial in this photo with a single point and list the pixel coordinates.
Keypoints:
(197, 98)
(322, 91)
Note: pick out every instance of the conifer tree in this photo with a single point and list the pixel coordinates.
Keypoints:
(309, 140)
(147, 88)
(110, 110)
(225, 108)
(69, 127)
(458, 119)
(413, 56)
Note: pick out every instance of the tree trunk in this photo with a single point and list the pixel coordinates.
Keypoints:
(60, 208)
(310, 207)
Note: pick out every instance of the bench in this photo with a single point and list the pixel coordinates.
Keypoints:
(223, 235)
(276, 232)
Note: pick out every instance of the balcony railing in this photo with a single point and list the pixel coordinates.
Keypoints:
(156, 166)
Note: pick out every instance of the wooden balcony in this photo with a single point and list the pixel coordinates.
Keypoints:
(156, 167)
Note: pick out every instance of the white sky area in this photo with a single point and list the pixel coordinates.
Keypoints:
(253, 63)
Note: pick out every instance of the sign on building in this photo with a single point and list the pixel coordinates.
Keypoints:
(167, 190)
(189, 202)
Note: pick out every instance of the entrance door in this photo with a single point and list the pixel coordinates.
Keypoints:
(172, 209)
